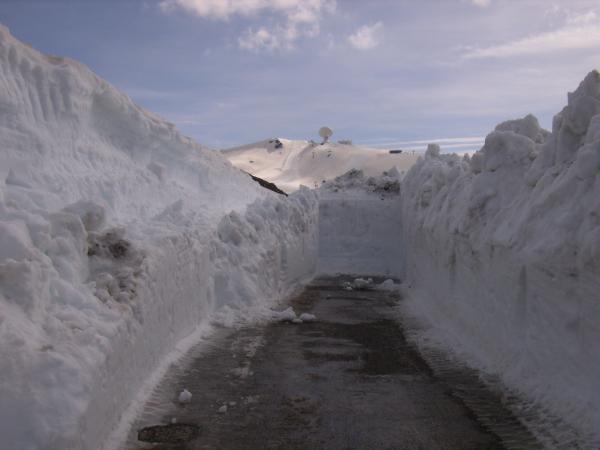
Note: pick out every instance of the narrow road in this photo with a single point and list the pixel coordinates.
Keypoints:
(348, 381)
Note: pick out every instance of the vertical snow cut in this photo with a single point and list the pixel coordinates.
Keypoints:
(359, 225)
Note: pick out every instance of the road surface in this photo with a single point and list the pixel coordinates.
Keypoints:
(348, 381)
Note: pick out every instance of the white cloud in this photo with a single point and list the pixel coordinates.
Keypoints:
(261, 39)
(298, 11)
(580, 32)
(366, 37)
(300, 18)
(481, 3)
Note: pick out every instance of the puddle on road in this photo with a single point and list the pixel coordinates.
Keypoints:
(382, 349)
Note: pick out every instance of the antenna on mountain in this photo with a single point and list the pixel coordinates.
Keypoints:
(325, 133)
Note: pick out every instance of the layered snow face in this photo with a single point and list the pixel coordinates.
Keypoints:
(503, 255)
(290, 164)
(359, 225)
(118, 238)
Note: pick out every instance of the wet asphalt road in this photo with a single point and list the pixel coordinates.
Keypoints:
(348, 381)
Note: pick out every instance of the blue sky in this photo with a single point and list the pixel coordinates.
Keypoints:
(388, 73)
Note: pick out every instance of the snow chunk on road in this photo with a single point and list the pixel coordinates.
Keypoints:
(359, 284)
(287, 315)
(306, 317)
(388, 285)
(185, 396)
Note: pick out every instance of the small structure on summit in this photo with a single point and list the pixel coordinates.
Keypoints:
(325, 133)
(276, 143)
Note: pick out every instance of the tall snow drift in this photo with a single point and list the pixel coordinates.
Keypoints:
(118, 238)
(503, 252)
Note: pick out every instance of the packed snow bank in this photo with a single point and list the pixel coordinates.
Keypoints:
(503, 253)
(290, 164)
(359, 223)
(118, 238)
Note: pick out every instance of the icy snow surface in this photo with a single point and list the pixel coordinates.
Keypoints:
(118, 238)
(503, 253)
(304, 163)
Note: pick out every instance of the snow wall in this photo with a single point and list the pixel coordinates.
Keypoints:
(502, 252)
(359, 225)
(118, 238)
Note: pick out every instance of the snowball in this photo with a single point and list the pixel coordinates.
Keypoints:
(387, 285)
(185, 396)
(306, 317)
(360, 283)
(287, 315)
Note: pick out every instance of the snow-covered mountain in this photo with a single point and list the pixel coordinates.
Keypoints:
(290, 164)
(118, 238)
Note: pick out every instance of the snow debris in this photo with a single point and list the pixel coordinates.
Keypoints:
(359, 284)
(222, 409)
(288, 315)
(250, 399)
(306, 317)
(384, 184)
(185, 396)
(388, 285)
